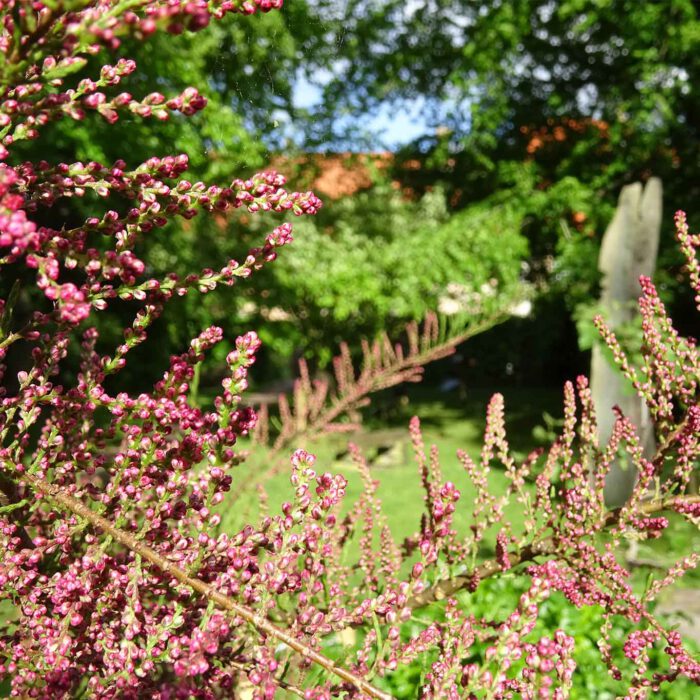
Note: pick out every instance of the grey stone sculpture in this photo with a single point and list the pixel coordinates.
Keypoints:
(629, 249)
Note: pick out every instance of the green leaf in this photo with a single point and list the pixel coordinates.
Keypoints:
(64, 68)
(10, 507)
(7, 311)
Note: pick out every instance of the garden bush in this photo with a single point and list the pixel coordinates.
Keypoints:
(116, 580)
(374, 262)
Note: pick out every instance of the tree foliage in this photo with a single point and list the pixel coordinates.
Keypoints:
(598, 94)
(614, 79)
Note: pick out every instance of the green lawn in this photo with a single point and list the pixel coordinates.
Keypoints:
(452, 423)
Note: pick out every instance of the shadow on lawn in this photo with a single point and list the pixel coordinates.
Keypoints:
(449, 414)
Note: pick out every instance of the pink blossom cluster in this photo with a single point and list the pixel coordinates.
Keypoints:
(158, 195)
(16, 231)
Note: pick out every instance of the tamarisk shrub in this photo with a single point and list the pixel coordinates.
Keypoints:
(119, 583)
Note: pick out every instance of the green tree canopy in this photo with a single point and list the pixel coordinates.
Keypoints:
(492, 71)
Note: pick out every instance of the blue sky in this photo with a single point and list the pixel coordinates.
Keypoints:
(395, 125)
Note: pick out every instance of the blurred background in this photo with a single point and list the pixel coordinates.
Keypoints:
(468, 153)
(470, 156)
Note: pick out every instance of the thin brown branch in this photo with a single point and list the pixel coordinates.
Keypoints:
(449, 587)
(665, 447)
(64, 500)
(544, 547)
(289, 687)
(384, 366)
(22, 48)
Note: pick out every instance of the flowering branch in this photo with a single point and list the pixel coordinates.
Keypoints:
(544, 547)
(317, 406)
(70, 504)
(110, 503)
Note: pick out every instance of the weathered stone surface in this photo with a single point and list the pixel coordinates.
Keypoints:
(629, 249)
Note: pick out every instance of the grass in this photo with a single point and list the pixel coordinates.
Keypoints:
(452, 422)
